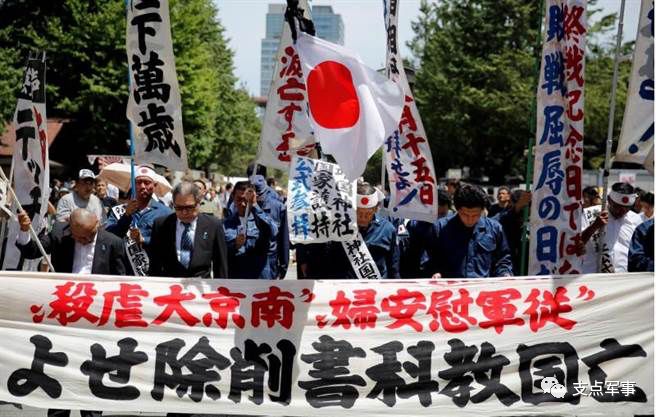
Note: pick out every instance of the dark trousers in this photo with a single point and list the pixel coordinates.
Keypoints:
(67, 413)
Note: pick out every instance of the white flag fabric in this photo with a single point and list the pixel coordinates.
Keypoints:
(352, 107)
(411, 174)
(638, 132)
(30, 159)
(154, 106)
(285, 128)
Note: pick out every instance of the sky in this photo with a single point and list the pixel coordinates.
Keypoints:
(244, 21)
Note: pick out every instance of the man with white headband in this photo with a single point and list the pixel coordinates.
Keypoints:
(379, 234)
(140, 213)
(618, 232)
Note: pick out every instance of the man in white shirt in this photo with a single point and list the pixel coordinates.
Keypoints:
(81, 197)
(620, 222)
(79, 246)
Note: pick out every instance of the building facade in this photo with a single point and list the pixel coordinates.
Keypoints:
(328, 26)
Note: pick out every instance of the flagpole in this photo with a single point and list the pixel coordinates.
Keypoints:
(610, 125)
(133, 191)
(529, 173)
(33, 234)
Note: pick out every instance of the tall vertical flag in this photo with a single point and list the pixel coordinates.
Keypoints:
(557, 187)
(30, 158)
(286, 130)
(352, 107)
(411, 174)
(636, 143)
(154, 106)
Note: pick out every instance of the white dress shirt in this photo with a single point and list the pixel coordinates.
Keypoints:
(618, 236)
(179, 231)
(83, 257)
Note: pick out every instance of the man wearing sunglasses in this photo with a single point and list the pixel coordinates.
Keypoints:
(188, 243)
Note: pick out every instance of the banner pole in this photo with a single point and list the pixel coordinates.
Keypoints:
(133, 191)
(33, 234)
(610, 125)
(529, 173)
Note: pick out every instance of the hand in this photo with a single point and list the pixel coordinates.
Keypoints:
(524, 200)
(580, 248)
(251, 197)
(131, 207)
(602, 220)
(135, 235)
(240, 240)
(24, 221)
(436, 275)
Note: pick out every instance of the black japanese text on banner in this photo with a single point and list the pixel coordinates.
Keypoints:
(30, 159)
(569, 345)
(321, 203)
(286, 129)
(154, 105)
(360, 258)
(411, 174)
(637, 135)
(556, 208)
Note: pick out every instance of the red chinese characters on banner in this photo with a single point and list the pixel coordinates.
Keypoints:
(444, 310)
(292, 97)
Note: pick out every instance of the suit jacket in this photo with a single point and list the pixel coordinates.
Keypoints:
(109, 253)
(208, 253)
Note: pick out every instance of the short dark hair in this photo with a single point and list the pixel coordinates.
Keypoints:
(243, 185)
(443, 198)
(648, 198)
(623, 187)
(271, 181)
(187, 188)
(504, 187)
(470, 196)
(590, 192)
(228, 186)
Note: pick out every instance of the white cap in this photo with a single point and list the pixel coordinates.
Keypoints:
(86, 173)
(145, 172)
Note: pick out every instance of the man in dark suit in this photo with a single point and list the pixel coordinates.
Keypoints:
(188, 243)
(80, 247)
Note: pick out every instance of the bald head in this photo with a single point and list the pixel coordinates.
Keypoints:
(84, 225)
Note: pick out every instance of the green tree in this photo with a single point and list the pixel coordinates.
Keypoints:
(475, 84)
(88, 83)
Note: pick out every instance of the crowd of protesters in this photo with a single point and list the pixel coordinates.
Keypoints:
(240, 230)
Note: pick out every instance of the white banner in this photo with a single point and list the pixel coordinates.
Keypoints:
(556, 208)
(286, 129)
(30, 159)
(321, 204)
(154, 106)
(569, 345)
(411, 174)
(637, 134)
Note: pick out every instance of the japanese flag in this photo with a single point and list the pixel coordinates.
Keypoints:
(352, 107)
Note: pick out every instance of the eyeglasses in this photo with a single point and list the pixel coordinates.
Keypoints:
(186, 208)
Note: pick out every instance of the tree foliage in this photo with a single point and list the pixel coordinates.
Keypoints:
(88, 75)
(476, 83)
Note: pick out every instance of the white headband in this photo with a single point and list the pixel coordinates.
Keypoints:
(622, 199)
(370, 200)
(145, 172)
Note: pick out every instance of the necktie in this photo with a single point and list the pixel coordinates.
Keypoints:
(186, 245)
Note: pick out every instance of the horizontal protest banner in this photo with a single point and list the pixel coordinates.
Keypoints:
(561, 345)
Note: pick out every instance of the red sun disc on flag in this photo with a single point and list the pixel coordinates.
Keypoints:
(626, 200)
(332, 97)
(364, 200)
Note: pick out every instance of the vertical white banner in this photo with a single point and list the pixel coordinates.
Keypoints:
(154, 106)
(30, 159)
(411, 174)
(557, 187)
(637, 134)
(286, 130)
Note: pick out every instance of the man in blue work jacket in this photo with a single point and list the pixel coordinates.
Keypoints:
(279, 244)
(248, 235)
(468, 245)
(641, 257)
(138, 215)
